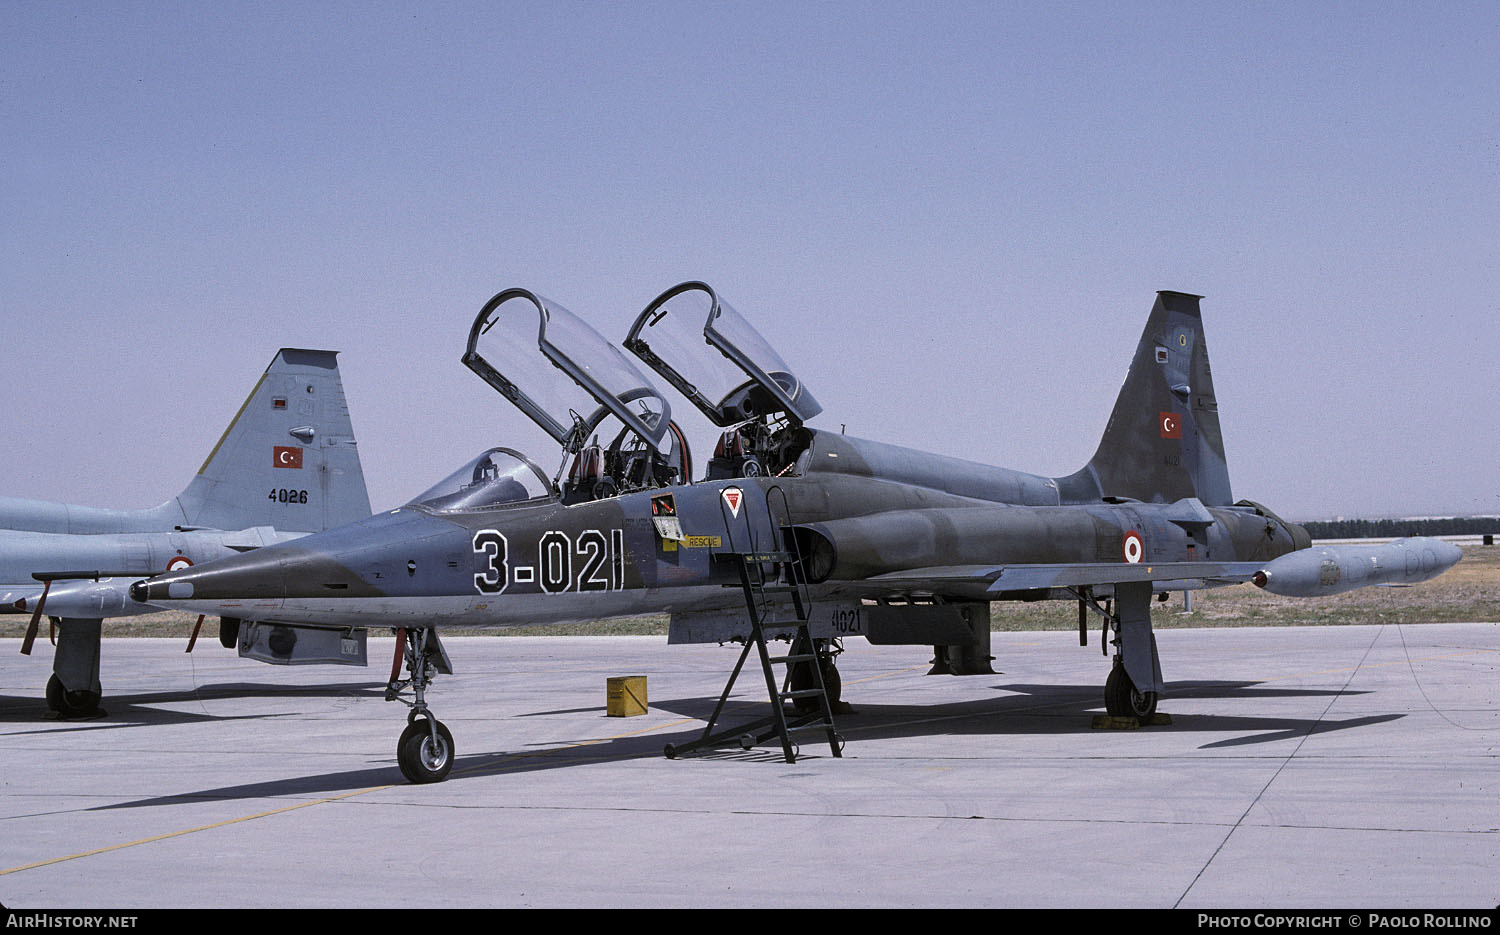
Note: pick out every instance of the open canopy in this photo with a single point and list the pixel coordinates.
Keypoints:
(702, 346)
(596, 379)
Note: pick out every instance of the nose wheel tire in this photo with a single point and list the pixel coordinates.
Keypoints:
(1122, 700)
(421, 759)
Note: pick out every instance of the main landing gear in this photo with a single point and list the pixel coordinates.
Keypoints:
(72, 704)
(73, 691)
(1135, 675)
(803, 678)
(425, 751)
(1121, 698)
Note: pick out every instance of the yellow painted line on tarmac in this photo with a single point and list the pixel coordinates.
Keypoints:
(178, 834)
(581, 743)
(323, 801)
(1380, 665)
(888, 675)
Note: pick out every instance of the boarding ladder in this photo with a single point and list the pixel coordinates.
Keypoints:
(799, 699)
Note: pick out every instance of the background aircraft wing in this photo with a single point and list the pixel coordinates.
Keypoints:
(987, 582)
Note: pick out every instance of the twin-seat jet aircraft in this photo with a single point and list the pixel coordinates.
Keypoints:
(871, 539)
(286, 466)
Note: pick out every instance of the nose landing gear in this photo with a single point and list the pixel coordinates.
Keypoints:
(425, 751)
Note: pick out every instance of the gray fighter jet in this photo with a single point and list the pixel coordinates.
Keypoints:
(285, 467)
(789, 531)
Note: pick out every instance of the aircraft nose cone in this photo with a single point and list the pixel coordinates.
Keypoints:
(254, 576)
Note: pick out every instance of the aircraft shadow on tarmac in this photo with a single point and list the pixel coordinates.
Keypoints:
(143, 708)
(1031, 709)
(466, 766)
(1062, 709)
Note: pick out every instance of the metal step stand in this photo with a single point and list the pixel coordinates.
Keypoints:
(785, 722)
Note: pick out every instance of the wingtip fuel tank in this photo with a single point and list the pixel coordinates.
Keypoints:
(1334, 569)
(91, 597)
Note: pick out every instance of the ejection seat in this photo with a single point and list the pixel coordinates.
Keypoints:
(586, 478)
(732, 458)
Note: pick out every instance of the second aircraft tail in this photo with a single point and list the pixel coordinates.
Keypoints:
(288, 459)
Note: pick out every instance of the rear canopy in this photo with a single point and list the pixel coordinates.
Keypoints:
(715, 358)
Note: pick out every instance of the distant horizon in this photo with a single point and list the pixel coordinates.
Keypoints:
(1396, 519)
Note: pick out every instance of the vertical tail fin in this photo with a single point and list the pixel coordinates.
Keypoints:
(1163, 441)
(288, 459)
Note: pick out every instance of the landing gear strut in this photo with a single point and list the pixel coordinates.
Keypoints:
(73, 691)
(1135, 677)
(425, 751)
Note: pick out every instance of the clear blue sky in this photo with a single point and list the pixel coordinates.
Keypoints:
(956, 213)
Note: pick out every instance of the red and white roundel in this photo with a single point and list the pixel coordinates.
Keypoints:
(178, 562)
(1135, 547)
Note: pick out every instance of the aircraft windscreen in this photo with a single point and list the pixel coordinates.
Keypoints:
(498, 476)
(595, 380)
(712, 355)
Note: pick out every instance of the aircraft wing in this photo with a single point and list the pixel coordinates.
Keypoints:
(988, 582)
